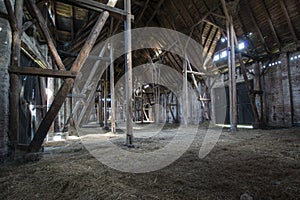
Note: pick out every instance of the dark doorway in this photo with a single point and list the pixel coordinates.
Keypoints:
(245, 113)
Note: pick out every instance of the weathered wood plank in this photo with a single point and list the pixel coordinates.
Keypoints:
(33, 71)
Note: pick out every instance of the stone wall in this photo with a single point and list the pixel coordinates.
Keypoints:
(5, 51)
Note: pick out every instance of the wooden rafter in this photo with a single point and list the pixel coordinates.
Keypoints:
(211, 44)
(268, 16)
(157, 8)
(254, 22)
(142, 12)
(97, 7)
(289, 22)
(241, 22)
(198, 33)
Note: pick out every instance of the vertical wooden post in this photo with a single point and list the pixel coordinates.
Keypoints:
(89, 80)
(231, 68)
(105, 98)
(101, 107)
(157, 106)
(14, 98)
(233, 99)
(112, 89)
(185, 94)
(61, 95)
(288, 60)
(128, 73)
(142, 107)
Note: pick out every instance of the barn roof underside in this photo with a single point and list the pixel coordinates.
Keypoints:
(268, 27)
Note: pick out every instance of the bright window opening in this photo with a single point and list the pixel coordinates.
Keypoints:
(217, 57)
(241, 46)
(223, 54)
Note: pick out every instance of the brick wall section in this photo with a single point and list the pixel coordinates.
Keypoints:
(295, 80)
(278, 108)
(5, 51)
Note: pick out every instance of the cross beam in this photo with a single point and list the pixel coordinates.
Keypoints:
(63, 92)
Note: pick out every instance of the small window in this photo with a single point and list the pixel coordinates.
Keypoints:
(223, 54)
(217, 57)
(241, 46)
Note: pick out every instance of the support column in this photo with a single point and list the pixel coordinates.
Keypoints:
(16, 22)
(157, 105)
(185, 94)
(112, 89)
(128, 73)
(61, 95)
(105, 99)
(100, 112)
(288, 60)
(232, 77)
(231, 68)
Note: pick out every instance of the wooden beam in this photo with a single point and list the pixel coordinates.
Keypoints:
(157, 105)
(11, 16)
(254, 22)
(231, 68)
(185, 96)
(33, 71)
(268, 16)
(41, 2)
(142, 12)
(210, 45)
(233, 99)
(128, 73)
(28, 24)
(233, 41)
(61, 95)
(289, 22)
(43, 26)
(14, 97)
(4, 15)
(97, 7)
(291, 91)
(86, 105)
(250, 90)
(69, 54)
(83, 55)
(112, 89)
(88, 83)
(34, 52)
(157, 8)
(57, 103)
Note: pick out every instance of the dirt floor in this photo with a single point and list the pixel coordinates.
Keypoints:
(258, 164)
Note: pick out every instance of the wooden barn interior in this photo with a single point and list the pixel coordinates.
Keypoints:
(93, 92)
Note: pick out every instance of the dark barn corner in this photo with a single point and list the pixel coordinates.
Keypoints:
(150, 99)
